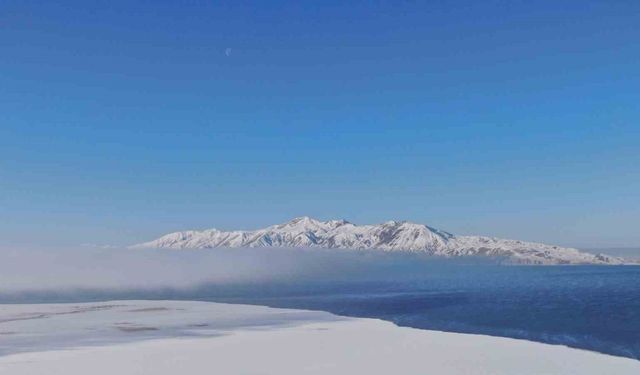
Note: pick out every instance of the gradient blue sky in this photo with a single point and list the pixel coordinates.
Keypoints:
(120, 121)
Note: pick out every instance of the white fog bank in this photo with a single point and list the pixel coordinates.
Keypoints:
(64, 269)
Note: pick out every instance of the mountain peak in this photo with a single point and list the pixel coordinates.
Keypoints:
(303, 219)
(300, 222)
(309, 223)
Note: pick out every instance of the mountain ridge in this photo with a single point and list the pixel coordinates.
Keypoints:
(391, 236)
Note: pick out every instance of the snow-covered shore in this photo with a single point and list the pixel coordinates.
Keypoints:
(170, 337)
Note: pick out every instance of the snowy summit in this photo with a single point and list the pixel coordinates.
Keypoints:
(401, 236)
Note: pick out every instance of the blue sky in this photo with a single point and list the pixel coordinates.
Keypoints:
(120, 121)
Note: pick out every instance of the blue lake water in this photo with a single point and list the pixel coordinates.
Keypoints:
(590, 307)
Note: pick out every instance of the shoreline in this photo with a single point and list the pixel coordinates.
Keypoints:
(165, 337)
(162, 337)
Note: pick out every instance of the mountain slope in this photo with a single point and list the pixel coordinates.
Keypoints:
(390, 236)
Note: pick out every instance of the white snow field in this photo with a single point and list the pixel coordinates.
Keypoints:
(171, 337)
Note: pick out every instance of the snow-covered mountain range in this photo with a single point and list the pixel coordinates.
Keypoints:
(396, 236)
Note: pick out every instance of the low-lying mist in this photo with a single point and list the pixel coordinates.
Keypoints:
(50, 272)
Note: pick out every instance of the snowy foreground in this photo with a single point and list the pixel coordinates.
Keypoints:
(170, 337)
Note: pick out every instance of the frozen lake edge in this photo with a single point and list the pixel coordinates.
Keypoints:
(166, 337)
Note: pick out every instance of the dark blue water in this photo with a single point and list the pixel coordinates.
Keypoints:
(589, 307)
(595, 308)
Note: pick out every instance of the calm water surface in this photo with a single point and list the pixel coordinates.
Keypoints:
(589, 307)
